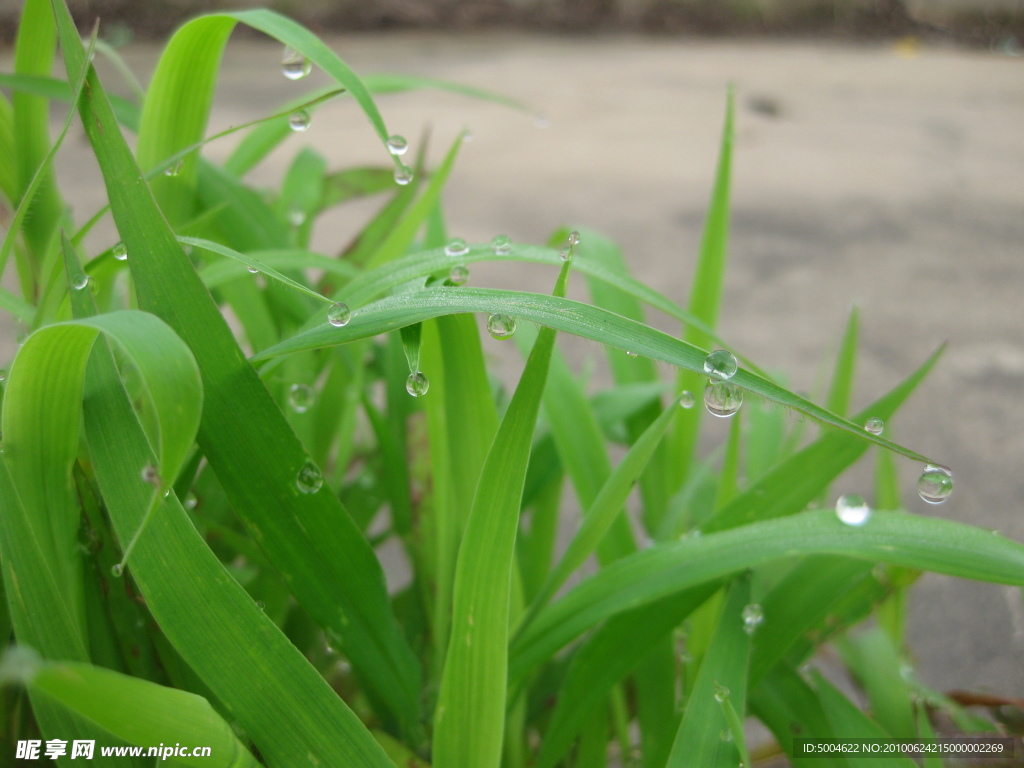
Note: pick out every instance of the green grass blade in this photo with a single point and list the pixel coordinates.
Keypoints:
(309, 537)
(469, 722)
(8, 164)
(917, 542)
(220, 272)
(562, 315)
(58, 90)
(841, 389)
(872, 658)
(389, 83)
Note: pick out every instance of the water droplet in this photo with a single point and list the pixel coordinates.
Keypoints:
(80, 281)
(121, 252)
(721, 364)
(260, 604)
(150, 475)
(299, 121)
(686, 399)
(309, 479)
(403, 175)
(252, 270)
(296, 216)
(467, 135)
(851, 509)
(501, 326)
(541, 120)
(566, 253)
(3, 375)
(501, 244)
(338, 315)
(397, 145)
(630, 354)
(722, 399)
(190, 502)
(458, 275)
(874, 425)
(116, 570)
(725, 735)
(301, 397)
(935, 484)
(417, 384)
(294, 65)
(174, 168)
(456, 247)
(574, 238)
(721, 693)
(753, 615)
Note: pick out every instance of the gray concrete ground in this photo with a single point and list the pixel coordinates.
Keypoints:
(890, 177)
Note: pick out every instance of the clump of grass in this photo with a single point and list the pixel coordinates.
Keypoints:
(189, 530)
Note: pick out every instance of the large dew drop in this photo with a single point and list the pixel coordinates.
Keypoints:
(686, 399)
(294, 65)
(852, 510)
(80, 281)
(339, 315)
(458, 275)
(309, 478)
(501, 245)
(456, 247)
(299, 121)
(120, 252)
(722, 399)
(874, 425)
(752, 615)
(935, 484)
(721, 693)
(501, 326)
(721, 364)
(417, 384)
(397, 145)
(301, 397)
(403, 175)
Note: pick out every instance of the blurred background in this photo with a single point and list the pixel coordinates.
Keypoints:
(879, 162)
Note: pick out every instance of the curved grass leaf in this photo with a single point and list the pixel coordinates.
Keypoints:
(909, 540)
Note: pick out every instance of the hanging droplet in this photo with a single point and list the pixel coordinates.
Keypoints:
(299, 121)
(722, 398)
(456, 247)
(301, 397)
(630, 354)
(190, 501)
(252, 270)
(294, 65)
(296, 216)
(721, 693)
(417, 384)
(565, 254)
(935, 484)
(116, 570)
(459, 274)
(721, 364)
(260, 604)
(150, 475)
(309, 479)
(686, 399)
(574, 238)
(120, 252)
(174, 168)
(852, 510)
(403, 175)
(339, 315)
(80, 281)
(752, 615)
(874, 425)
(501, 326)
(501, 244)
(397, 145)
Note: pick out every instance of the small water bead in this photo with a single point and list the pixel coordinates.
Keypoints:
(726, 734)
(501, 244)
(253, 270)
(566, 253)
(294, 65)
(397, 145)
(190, 501)
(752, 615)
(458, 275)
(721, 693)
(456, 247)
(299, 121)
(722, 399)
(686, 399)
(150, 475)
(721, 363)
(935, 484)
(296, 216)
(3, 375)
(301, 397)
(174, 168)
(852, 510)
(338, 315)
(541, 120)
(874, 425)
(309, 478)
(260, 604)
(501, 326)
(574, 238)
(631, 354)
(80, 281)
(116, 570)
(403, 175)
(417, 384)
(120, 252)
